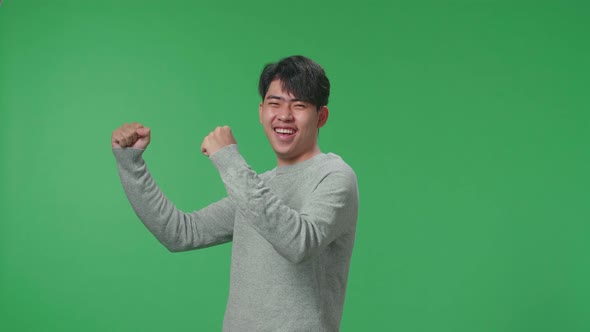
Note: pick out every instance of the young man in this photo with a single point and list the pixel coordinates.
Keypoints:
(292, 228)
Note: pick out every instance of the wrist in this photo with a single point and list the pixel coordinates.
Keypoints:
(226, 159)
(232, 147)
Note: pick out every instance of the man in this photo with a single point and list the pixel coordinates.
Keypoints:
(292, 228)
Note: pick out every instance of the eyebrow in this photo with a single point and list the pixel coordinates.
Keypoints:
(282, 98)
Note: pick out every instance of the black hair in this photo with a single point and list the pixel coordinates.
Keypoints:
(300, 76)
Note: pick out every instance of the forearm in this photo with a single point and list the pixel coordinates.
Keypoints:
(175, 229)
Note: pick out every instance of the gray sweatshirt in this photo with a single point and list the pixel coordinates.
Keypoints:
(292, 228)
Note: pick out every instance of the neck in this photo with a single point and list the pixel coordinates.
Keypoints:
(300, 158)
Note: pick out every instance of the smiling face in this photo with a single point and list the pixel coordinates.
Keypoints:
(291, 125)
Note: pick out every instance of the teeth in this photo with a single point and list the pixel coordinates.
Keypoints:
(284, 131)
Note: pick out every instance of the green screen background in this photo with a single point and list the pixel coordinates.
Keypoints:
(466, 122)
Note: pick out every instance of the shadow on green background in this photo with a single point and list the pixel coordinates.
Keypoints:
(466, 121)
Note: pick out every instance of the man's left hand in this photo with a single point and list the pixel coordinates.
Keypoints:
(217, 139)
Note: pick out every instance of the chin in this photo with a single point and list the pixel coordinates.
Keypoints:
(283, 154)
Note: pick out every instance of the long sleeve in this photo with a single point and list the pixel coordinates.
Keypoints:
(175, 229)
(328, 212)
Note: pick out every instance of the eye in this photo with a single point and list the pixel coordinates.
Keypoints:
(299, 106)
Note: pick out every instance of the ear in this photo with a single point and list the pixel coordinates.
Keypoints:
(260, 113)
(323, 116)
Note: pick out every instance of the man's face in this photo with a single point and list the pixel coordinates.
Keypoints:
(291, 125)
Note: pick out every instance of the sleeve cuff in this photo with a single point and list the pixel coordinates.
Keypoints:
(128, 155)
(226, 158)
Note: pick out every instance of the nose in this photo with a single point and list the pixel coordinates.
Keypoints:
(284, 114)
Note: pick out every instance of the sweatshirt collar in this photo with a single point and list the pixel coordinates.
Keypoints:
(300, 165)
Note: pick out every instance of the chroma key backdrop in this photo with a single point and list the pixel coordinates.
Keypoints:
(466, 121)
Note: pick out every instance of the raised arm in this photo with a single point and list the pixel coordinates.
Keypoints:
(175, 229)
(329, 212)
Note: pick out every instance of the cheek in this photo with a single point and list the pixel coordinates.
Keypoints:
(268, 121)
(309, 122)
(265, 118)
(268, 114)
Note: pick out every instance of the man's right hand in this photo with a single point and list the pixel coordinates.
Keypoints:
(132, 135)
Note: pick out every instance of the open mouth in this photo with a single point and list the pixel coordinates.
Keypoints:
(284, 132)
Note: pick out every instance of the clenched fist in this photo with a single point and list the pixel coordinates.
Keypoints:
(217, 139)
(132, 135)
